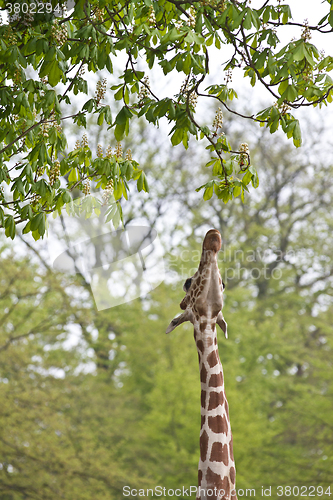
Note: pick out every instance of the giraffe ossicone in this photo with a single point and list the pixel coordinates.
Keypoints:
(202, 306)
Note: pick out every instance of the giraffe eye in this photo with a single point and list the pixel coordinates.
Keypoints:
(223, 286)
(187, 284)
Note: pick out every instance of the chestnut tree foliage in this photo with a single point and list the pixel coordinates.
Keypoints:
(48, 55)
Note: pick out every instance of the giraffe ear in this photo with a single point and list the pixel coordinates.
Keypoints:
(222, 324)
(177, 321)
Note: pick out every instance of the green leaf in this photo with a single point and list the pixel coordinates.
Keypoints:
(36, 235)
(10, 226)
(217, 168)
(119, 131)
(27, 212)
(297, 134)
(18, 184)
(66, 197)
(89, 105)
(247, 20)
(52, 71)
(229, 166)
(308, 56)
(255, 19)
(73, 177)
(140, 182)
(237, 191)
(291, 93)
(126, 95)
(247, 178)
(289, 129)
(111, 212)
(208, 193)
(177, 136)
(52, 135)
(286, 14)
(27, 228)
(266, 15)
(260, 62)
(107, 114)
(198, 23)
(209, 190)
(299, 52)
(38, 223)
(283, 86)
(330, 18)
(118, 190)
(42, 153)
(41, 187)
(123, 116)
(100, 119)
(119, 94)
(145, 184)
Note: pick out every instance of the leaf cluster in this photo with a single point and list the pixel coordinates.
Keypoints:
(43, 57)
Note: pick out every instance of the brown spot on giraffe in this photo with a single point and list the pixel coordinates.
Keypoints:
(212, 359)
(232, 474)
(213, 480)
(226, 488)
(216, 380)
(203, 446)
(203, 399)
(209, 341)
(219, 453)
(203, 420)
(215, 399)
(200, 346)
(203, 374)
(199, 477)
(218, 424)
(203, 326)
(215, 341)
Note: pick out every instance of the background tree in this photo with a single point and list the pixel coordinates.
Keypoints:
(43, 58)
(62, 427)
(95, 400)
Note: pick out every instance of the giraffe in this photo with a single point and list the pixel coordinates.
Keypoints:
(202, 306)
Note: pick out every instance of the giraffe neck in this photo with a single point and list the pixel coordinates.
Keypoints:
(216, 475)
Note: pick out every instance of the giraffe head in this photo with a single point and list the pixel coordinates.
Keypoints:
(204, 290)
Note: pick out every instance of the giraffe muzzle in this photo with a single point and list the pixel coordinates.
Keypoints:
(212, 241)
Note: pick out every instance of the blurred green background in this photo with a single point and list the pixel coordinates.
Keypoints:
(92, 401)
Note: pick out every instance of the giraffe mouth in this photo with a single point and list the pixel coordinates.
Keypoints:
(212, 241)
